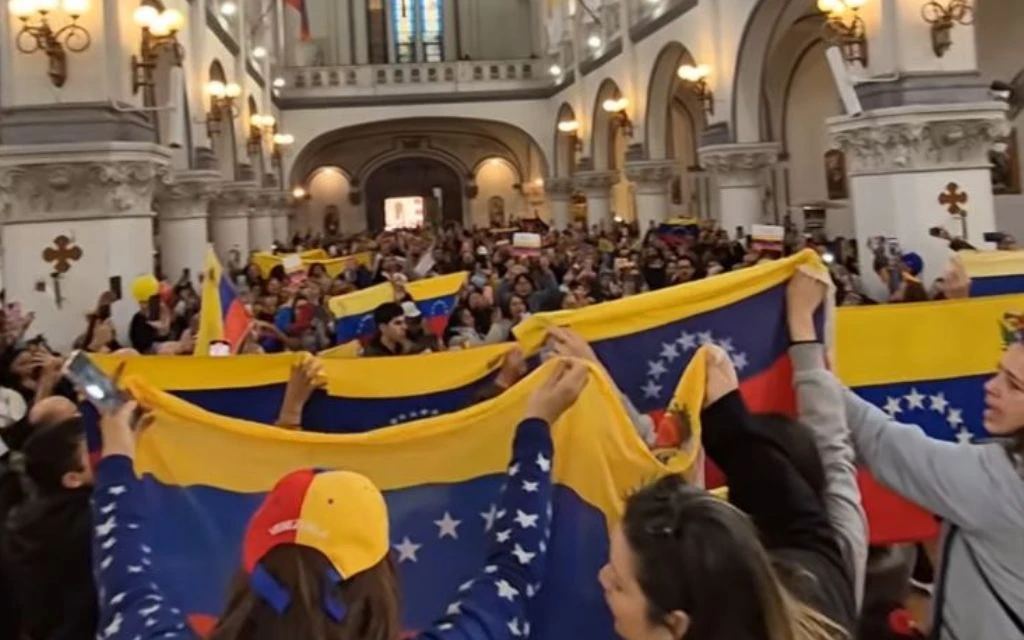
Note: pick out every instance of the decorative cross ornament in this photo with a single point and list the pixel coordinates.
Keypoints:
(61, 255)
(952, 198)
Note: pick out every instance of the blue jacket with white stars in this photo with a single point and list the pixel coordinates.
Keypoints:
(493, 606)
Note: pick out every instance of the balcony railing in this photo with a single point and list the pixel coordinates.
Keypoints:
(355, 82)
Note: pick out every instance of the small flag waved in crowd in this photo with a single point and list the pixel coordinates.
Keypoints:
(223, 319)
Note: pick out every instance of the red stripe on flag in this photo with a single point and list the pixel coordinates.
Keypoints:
(891, 519)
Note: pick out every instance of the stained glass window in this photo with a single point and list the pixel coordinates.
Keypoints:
(419, 30)
(404, 18)
(432, 29)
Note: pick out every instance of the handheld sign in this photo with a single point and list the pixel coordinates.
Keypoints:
(526, 244)
(767, 237)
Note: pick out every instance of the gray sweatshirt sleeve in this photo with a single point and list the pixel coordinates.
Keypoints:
(820, 400)
(643, 424)
(973, 486)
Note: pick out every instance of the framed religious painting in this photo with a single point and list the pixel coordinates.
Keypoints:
(835, 175)
(1005, 159)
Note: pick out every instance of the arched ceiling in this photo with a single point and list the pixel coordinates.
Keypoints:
(467, 142)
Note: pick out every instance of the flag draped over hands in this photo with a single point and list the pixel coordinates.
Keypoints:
(222, 316)
(205, 474)
(994, 273)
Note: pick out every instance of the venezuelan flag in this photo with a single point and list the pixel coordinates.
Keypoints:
(435, 298)
(361, 394)
(925, 364)
(222, 316)
(994, 273)
(333, 266)
(205, 475)
(673, 231)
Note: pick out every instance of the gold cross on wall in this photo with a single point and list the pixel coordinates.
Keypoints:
(62, 254)
(952, 198)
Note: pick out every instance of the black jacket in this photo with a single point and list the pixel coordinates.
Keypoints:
(764, 482)
(48, 560)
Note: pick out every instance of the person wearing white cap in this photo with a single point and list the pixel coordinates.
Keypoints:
(419, 337)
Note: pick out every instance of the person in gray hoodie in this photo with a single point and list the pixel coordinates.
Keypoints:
(821, 410)
(978, 491)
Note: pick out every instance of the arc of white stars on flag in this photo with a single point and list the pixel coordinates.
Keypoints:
(687, 341)
(936, 402)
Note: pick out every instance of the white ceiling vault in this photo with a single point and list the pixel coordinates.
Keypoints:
(461, 143)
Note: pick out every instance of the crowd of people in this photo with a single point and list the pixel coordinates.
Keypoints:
(572, 268)
(786, 557)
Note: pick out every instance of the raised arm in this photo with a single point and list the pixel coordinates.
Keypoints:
(132, 604)
(495, 604)
(820, 401)
(966, 484)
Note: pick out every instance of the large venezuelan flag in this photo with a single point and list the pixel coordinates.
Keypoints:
(994, 273)
(222, 316)
(361, 394)
(925, 364)
(205, 475)
(435, 298)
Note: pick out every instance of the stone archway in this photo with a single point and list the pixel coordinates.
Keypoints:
(602, 134)
(663, 90)
(565, 143)
(415, 175)
(768, 20)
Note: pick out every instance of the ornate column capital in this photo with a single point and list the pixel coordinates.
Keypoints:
(80, 181)
(920, 138)
(739, 158)
(651, 176)
(188, 195)
(556, 188)
(595, 181)
(235, 199)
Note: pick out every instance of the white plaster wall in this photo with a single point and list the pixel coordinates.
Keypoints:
(812, 98)
(496, 30)
(495, 178)
(121, 247)
(998, 28)
(183, 245)
(97, 74)
(330, 186)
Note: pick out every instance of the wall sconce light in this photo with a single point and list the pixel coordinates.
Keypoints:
(259, 126)
(696, 78)
(281, 143)
(299, 194)
(941, 18)
(617, 107)
(40, 36)
(159, 32)
(222, 104)
(571, 128)
(845, 29)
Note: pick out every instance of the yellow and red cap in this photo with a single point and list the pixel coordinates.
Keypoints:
(341, 514)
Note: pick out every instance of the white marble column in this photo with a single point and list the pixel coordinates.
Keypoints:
(231, 211)
(559, 195)
(75, 216)
(280, 219)
(916, 167)
(261, 223)
(183, 209)
(597, 187)
(739, 174)
(651, 178)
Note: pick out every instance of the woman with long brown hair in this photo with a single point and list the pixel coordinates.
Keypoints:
(316, 562)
